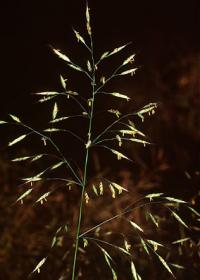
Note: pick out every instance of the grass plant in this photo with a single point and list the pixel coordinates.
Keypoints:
(112, 139)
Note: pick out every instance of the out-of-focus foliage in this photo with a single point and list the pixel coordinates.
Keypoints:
(28, 229)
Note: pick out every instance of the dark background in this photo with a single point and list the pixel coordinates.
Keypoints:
(159, 31)
(165, 38)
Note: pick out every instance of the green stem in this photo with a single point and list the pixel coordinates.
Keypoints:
(80, 216)
(85, 169)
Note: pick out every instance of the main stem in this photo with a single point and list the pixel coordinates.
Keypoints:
(85, 169)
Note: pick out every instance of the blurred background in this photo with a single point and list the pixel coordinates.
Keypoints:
(165, 39)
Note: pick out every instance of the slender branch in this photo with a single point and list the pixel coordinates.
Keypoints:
(52, 179)
(98, 61)
(64, 180)
(81, 69)
(114, 74)
(56, 147)
(75, 99)
(120, 215)
(112, 124)
(72, 133)
(68, 117)
(112, 139)
(107, 243)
